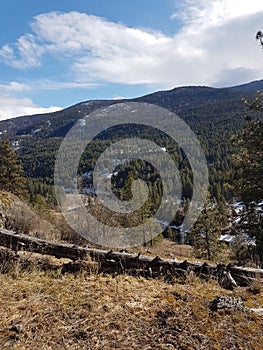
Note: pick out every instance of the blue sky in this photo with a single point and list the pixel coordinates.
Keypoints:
(57, 53)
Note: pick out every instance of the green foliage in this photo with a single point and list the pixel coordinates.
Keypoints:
(259, 37)
(41, 188)
(248, 174)
(222, 210)
(251, 225)
(11, 171)
(206, 232)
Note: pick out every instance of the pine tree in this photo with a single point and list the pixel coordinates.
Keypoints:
(259, 37)
(249, 169)
(205, 233)
(248, 173)
(223, 210)
(11, 171)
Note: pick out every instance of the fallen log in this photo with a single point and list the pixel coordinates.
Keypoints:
(16, 242)
(123, 262)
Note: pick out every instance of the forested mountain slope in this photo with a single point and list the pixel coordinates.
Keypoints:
(214, 114)
(193, 104)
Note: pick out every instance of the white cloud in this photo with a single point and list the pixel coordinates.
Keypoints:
(118, 98)
(236, 76)
(28, 50)
(46, 84)
(215, 46)
(11, 107)
(206, 13)
(13, 86)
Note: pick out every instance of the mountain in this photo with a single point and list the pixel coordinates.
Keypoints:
(252, 86)
(188, 102)
(214, 114)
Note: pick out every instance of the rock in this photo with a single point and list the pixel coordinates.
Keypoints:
(227, 303)
(16, 327)
(257, 310)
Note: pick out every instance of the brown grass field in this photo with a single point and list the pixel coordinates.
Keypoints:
(48, 310)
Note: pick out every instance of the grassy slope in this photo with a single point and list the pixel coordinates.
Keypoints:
(91, 311)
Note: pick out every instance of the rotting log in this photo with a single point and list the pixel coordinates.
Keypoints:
(123, 262)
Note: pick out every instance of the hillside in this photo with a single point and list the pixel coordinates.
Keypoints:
(214, 114)
(48, 303)
(45, 310)
(188, 102)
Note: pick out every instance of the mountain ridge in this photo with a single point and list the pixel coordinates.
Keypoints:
(213, 114)
(179, 94)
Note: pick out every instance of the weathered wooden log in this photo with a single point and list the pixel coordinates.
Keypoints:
(16, 242)
(246, 275)
(123, 262)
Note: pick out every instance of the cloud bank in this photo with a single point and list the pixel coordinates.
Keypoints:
(12, 106)
(215, 46)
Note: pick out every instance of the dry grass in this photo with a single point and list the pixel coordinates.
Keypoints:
(19, 217)
(88, 311)
(169, 249)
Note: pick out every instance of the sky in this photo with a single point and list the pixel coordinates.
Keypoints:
(56, 53)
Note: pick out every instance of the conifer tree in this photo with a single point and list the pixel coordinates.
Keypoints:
(248, 175)
(259, 37)
(248, 171)
(11, 171)
(205, 233)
